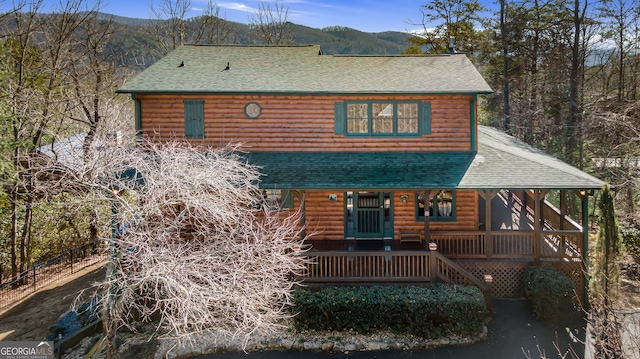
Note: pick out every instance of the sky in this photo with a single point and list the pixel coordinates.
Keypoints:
(363, 15)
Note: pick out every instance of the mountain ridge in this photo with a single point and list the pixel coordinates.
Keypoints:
(134, 45)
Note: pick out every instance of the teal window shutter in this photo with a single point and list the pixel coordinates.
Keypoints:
(286, 198)
(425, 118)
(340, 114)
(193, 119)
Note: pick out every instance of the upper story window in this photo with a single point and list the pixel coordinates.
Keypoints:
(382, 118)
(441, 206)
(193, 118)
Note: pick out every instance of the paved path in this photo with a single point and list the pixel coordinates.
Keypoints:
(512, 333)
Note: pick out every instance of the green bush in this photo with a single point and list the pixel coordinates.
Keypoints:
(548, 290)
(425, 312)
(631, 240)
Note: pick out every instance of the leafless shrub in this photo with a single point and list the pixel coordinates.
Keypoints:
(196, 251)
(570, 353)
(605, 328)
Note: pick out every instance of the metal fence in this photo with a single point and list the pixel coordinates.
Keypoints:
(41, 274)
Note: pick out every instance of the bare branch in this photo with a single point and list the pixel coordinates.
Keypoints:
(271, 25)
(197, 250)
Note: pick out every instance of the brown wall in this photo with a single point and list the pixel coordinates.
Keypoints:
(302, 122)
(326, 218)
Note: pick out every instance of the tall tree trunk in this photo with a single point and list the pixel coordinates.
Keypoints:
(505, 68)
(572, 131)
(14, 234)
(621, 63)
(25, 250)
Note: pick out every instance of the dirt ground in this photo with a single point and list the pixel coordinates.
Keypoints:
(31, 318)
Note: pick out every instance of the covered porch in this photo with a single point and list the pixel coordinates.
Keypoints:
(521, 229)
(501, 225)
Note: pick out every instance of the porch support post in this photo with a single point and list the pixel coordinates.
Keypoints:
(488, 241)
(538, 197)
(427, 219)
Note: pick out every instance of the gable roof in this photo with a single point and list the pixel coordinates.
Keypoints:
(302, 69)
(502, 162)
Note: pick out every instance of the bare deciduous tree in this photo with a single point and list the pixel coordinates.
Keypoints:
(35, 63)
(211, 28)
(196, 250)
(173, 28)
(169, 28)
(270, 24)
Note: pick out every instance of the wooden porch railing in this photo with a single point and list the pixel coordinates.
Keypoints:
(509, 244)
(450, 272)
(562, 244)
(350, 267)
(368, 266)
(550, 214)
(460, 244)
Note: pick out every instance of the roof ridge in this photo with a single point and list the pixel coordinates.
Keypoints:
(392, 55)
(250, 45)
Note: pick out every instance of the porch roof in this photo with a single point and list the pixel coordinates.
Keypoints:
(502, 162)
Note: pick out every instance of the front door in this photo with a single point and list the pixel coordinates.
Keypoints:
(368, 215)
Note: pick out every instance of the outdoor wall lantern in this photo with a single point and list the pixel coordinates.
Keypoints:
(333, 197)
(404, 198)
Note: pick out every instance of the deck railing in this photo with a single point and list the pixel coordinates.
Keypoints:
(550, 214)
(368, 266)
(459, 244)
(349, 267)
(509, 244)
(513, 244)
(562, 244)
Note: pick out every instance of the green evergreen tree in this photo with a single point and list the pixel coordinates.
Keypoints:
(443, 21)
(606, 335)
(608, 247)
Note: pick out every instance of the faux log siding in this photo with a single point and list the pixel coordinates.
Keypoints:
(325, 219)
(302, 123)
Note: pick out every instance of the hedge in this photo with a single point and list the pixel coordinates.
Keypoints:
(425, 312)
(548, 290)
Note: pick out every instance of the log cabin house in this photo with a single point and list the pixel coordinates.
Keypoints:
(383, 155)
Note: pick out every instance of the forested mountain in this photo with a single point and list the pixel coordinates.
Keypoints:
(135, 46)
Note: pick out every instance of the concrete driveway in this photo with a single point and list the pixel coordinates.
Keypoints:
(513, 333)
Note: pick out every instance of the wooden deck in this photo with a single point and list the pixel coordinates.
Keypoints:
(504, 252)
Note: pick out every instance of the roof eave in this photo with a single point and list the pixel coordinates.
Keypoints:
(271, 92)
